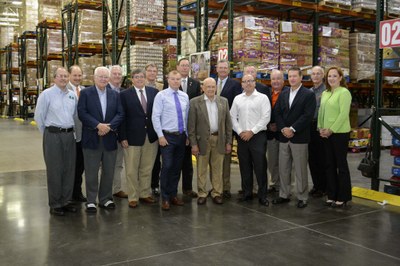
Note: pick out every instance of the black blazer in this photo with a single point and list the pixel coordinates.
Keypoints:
(193, 88)
(270, 134)
(264, 89)
(231, 89)
(299, 115)
(137, 123)
(90, 114)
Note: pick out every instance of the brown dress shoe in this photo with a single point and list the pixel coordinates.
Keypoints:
(176, 201)
(217, 200)
(133, 204)
(148, 200)
(201, 200)
(190, 193)
(165, 205)
(121, 194)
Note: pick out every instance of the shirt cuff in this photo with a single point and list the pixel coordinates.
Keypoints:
(294, 131)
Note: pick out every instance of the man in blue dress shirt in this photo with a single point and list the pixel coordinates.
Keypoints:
(170, 112)
(55, 116)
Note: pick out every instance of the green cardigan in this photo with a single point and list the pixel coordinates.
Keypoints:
(334, 110)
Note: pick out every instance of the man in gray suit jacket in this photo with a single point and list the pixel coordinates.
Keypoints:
(210, 135)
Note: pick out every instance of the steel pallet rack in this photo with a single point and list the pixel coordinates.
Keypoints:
(28, 96)
(72, 47)
(305, 11)
(128, 34)
(3, 94)
(43, 57)
(10, 71)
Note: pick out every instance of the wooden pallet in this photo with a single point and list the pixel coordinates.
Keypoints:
(364, 10)
(335, 5)
(145, 26)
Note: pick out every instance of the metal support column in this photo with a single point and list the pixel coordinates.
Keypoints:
(205, 16)
(128, 38)
(315, 38)
(178, 28)
(230, 34)
(199, 45)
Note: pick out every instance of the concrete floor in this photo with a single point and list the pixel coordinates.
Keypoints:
(231, 234)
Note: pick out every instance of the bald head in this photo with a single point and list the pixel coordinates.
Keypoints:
(209, 88)
(277, 80)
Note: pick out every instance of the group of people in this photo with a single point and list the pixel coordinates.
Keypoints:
(113, 132)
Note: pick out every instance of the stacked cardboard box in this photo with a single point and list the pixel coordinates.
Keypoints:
(88, 65)
(270, 40)
(363, 4)
(391, 58)
(28, 15)
(334, 48)
(362, 56)
(188, 44)
(14, 57)
(6, 36)
(169, 54)
(30, 50)
(393, 7)
(295, 46)
(88, 31)
(54, 41)
(31, 83)
(145, 12)
(50, 10)
(187, 21)
(143, 53)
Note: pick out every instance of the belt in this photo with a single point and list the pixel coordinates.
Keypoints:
(176, 133)
(214, 133)
(59, 129)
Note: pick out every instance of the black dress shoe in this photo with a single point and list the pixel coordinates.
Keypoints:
(280, 200)
(272, 190)
(264, 202)
(57, 211)
(227, 194)
(79, 198)
(156, 191)
(69, 208)
(301, 204)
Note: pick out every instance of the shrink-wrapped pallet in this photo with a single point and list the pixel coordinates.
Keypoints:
(362, 56)
(30, 50)
(50, 10)
(89, 29)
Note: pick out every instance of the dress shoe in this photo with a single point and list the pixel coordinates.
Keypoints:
(190, 193)
(263, 202)
(272, 190)
(156, 191)
(328, 203)
(69, 208)
(217, 200)
(176, 201)
(109, 205)
(79, 198)
(201, 200)
(301, 204)
(165, 205)
(121, 194)
(91, 208)
(57, 211)
(227, 194)
(244, 199)
(132, 204)
(280, 200)
(148, 200)
(338, 204)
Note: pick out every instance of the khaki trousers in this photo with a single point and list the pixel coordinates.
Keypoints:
(139, 161)
(215, 160)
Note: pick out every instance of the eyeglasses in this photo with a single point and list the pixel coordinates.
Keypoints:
(248, 81)
(62, 76)
(138, 77)
(103, 77)
(185, 65)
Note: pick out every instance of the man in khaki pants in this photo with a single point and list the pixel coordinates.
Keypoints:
(210, 135)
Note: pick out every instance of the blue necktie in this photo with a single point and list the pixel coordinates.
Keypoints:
(179, 111)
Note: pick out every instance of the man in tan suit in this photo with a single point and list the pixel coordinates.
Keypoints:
(210, 135)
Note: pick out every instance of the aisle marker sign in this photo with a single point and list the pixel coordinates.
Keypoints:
(223, 53)
(389, 33)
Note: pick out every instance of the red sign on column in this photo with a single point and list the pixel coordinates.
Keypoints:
(389, 33)
(222, 53)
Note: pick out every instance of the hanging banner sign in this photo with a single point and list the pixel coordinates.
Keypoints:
(389, 33)
(223, 53)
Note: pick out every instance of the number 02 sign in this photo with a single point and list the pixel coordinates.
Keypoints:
(389, 33)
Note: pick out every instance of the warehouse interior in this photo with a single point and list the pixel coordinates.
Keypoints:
(37, 36)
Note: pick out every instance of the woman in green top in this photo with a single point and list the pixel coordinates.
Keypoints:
(334, 127)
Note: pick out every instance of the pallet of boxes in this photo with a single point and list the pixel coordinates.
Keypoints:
(358, 139)
(394, 187)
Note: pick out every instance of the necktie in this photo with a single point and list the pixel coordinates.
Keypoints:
(78, 91)
(184, 86)
(219, 87)
(143, 101)
(179, 112)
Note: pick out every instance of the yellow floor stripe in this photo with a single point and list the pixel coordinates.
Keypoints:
(376, 196)
(4, 116)
(33, 123)
(19, 119)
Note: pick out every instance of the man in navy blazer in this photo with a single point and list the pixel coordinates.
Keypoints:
(228, 88)
(100, 111)
(138, 138)
(294, 112)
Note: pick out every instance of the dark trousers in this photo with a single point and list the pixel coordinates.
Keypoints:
(317, 159)
(187, 169)
(172, 158)
(79, 168)
(59, 156)
(155, 174)
(252, 157)
(338, 175)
